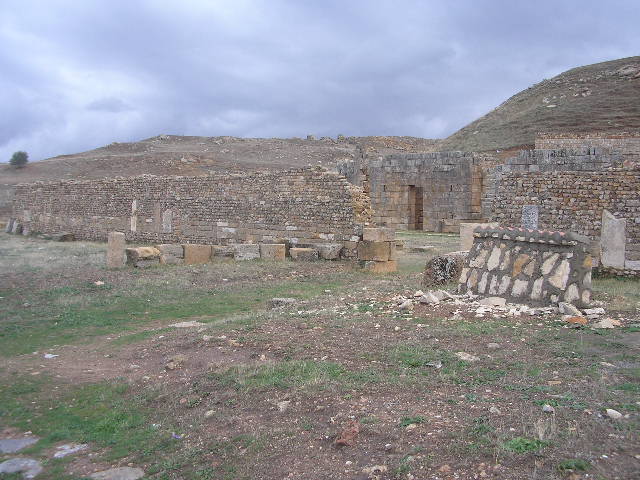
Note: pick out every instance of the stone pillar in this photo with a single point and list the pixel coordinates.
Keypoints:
(115, 250)
(530, 217)
(612, 240)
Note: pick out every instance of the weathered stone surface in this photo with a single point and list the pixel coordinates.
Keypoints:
(27, 466)
(493, 301)
(283, 301)
(377, 251)
(379, 234)
(329, 251)
(529, 218)
(12, 445)
(273, 251)
(389, 266)
(9, 226)
(466, 233)
(196, 254)
(564, 275)
(308, 254)
(119, 473)
(116, 256)
(222, 251)
(16, 228)
(141, 257)
(246, 251)
(613, 241)
(442, 269)
(171, 249)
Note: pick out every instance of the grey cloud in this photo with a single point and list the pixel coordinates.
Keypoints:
(77, 75)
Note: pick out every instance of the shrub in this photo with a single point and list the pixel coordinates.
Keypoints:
(19, 159)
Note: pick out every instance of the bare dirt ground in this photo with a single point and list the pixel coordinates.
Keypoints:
(341, 384)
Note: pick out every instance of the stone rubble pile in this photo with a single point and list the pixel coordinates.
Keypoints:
(481, 307)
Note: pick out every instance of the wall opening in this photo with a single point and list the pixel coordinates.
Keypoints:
(416, 208)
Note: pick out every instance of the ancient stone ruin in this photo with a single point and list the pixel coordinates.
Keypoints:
(528, 266)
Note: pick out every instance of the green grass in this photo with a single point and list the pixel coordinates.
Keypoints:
(524, 445)
(622, 293)
(100, 313)
(406, 421)
(292, 374)
(573, 465)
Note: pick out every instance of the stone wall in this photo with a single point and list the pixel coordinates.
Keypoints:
(625, 143)
(426, 191)
(574, 201)
(528, 266)
(296, 207)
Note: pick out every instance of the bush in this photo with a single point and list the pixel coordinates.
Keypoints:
(19, 159)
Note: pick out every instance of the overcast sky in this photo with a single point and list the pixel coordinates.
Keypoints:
(79, 74)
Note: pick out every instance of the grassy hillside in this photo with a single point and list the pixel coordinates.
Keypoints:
(600, 97)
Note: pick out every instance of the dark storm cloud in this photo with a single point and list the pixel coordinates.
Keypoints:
(77, 75)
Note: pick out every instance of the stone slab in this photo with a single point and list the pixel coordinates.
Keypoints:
(195, 254)
(389, 266)
(328, 251)
(466, 233)
(529, 216)
(303, 254)
(380, 234)
(119, 473)
(376, 251)
(116, 245)
(613, 241)
(246, 251)
(16, 228)
(27, 466)
(8, 227)
(173, 249)
(273, 251)
(13, 445)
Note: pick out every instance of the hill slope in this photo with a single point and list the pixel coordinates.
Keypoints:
(603, 97)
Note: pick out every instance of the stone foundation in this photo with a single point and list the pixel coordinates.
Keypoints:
(528, 266)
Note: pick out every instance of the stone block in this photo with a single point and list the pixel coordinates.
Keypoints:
(273, 251)
(379, 234)
(171, 249)
(141, 257)
(376, 251)
(196, 254)
(613, 241)
(329, 251)
(16, 228)
(389, 266)
(116, 256)
(246, 251)
(8, 227)
(222, 251)
(308, 254)
(466, 233)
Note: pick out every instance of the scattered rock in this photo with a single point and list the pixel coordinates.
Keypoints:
(375, 470)
(569, 309)
(283, 405)
(594, 311)
(495, 410)
(429, 298)
(613, 414)
(575, 319)
(69, 448)
(493, 302)
(607, 323)
(281, 302)
(493, 346)
(27, 466)
(209, 413)
(546, 408)
(406, 305)
(348, 436)
(177, 361)
(467, 357)
(418, 294)
(119, 473)
(50, 355)
(189, 324)
(13, 445)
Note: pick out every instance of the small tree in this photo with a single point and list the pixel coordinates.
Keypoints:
(19, 159)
